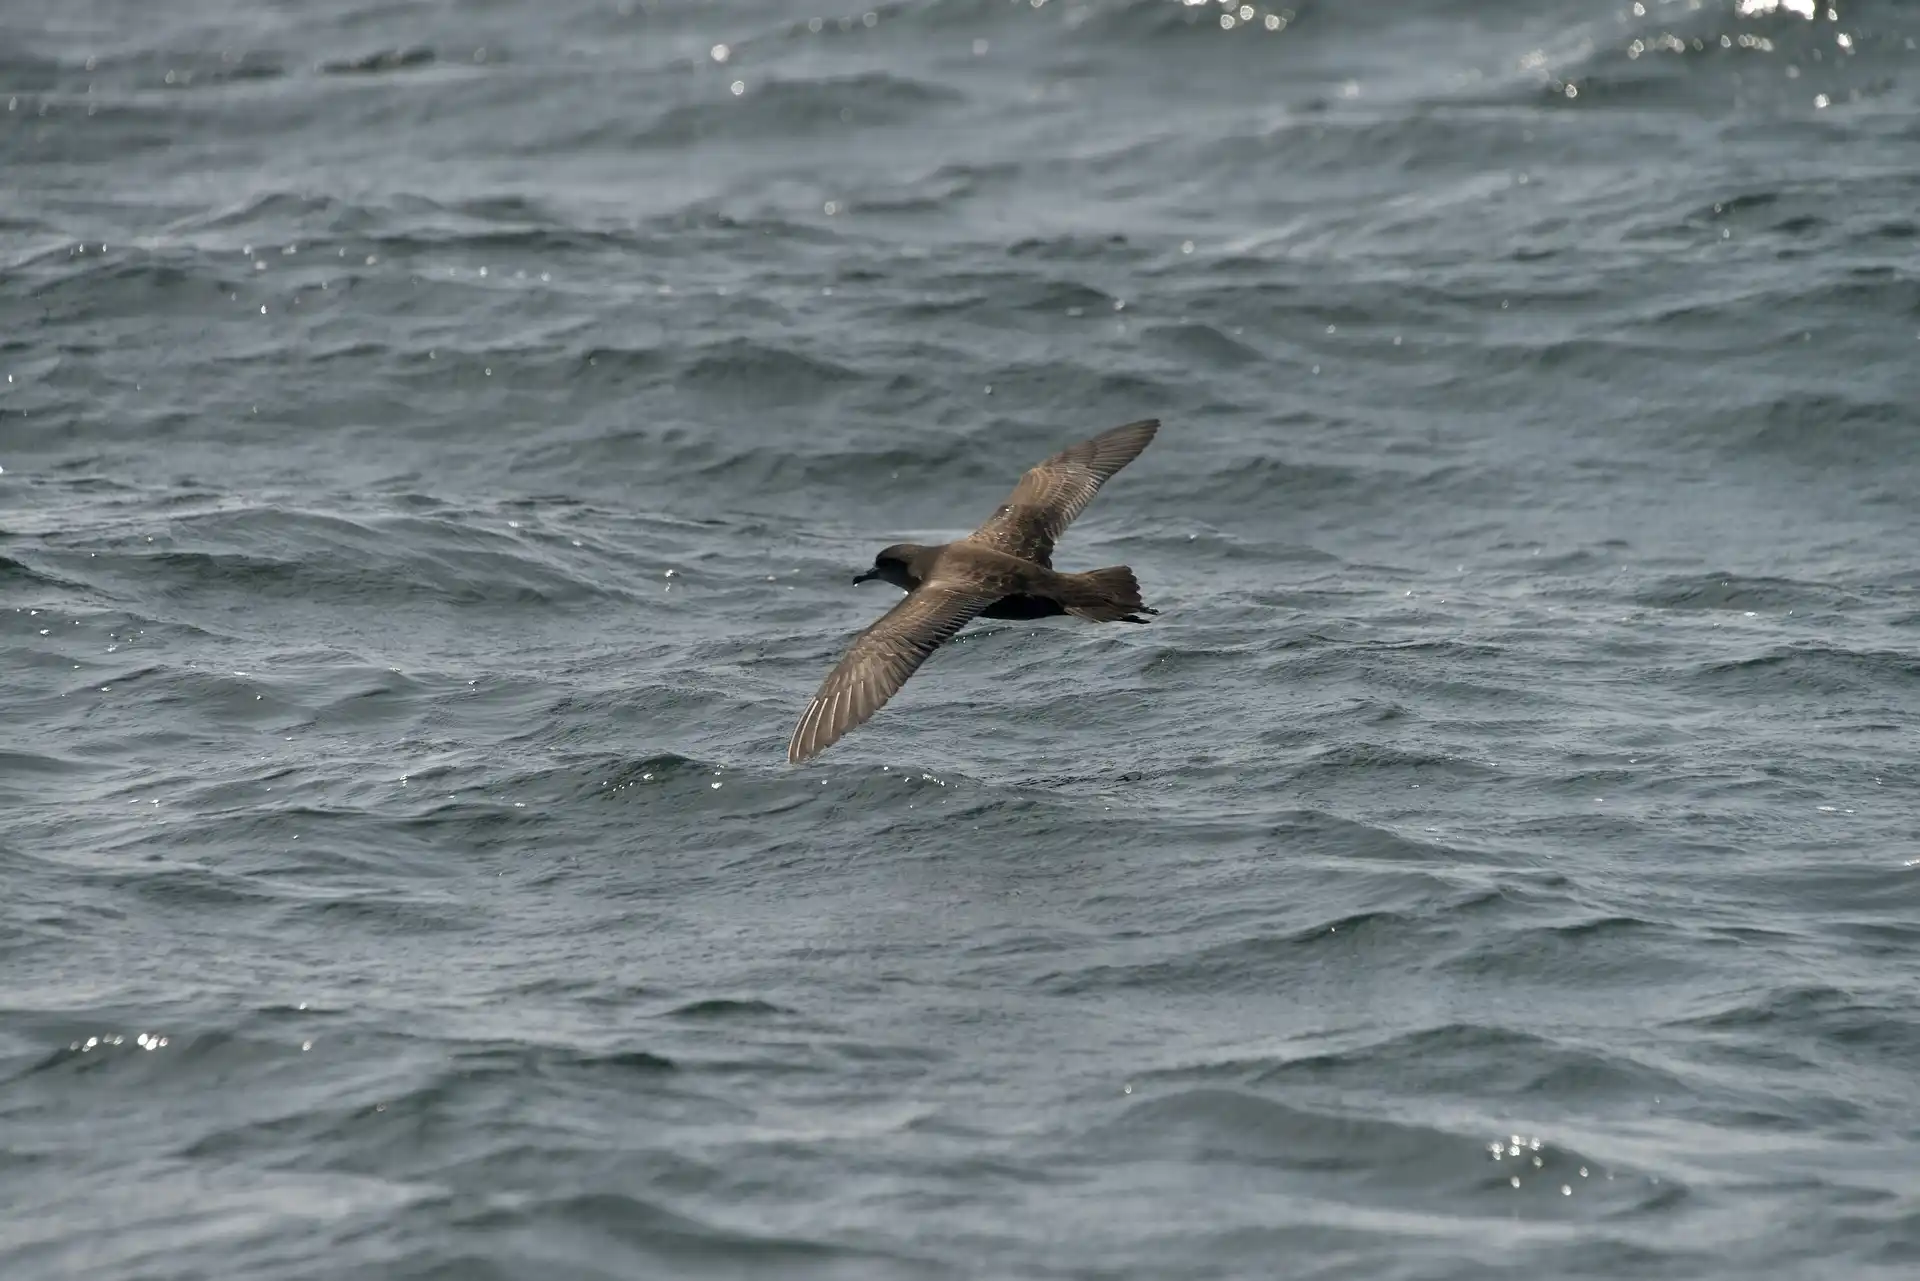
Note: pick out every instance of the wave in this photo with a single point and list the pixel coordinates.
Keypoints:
(771, 108)
(1744, 593)
(1810, 670)
(1343, 1154)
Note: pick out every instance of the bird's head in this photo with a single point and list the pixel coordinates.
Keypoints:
(894, 565)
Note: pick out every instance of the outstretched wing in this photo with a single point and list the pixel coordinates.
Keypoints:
(1047, 498)
(879, 663)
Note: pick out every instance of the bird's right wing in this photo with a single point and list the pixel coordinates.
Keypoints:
(880, 661)
(1049, 496)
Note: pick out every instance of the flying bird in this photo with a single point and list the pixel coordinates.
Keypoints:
(1004, 569)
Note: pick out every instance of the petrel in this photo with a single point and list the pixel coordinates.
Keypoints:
(1004, 569)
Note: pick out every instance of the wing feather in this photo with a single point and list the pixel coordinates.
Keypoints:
(1050, 495)
(880, 661)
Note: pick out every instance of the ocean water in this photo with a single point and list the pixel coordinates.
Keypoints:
(437, 440)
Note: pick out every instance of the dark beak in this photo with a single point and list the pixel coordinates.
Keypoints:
(861, 578)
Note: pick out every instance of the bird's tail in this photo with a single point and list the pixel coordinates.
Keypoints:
(1104, 596)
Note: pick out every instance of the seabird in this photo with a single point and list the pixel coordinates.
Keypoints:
(1004, 569)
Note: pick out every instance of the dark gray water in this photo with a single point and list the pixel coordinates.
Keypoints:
(437, 440)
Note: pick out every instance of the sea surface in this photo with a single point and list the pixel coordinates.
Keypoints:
(438, 438)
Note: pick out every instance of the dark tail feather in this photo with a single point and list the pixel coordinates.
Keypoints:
(1105, 596)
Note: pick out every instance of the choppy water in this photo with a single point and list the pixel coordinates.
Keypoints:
(437, 438)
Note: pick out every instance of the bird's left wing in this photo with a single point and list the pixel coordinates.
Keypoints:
(1052, 493)
(880, 661)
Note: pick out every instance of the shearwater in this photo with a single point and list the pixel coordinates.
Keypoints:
(1004, 569)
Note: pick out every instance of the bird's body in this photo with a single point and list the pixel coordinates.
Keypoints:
(1023, 589)
(1004, 569)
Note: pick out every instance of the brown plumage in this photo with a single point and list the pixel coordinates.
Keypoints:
(1004, 569)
